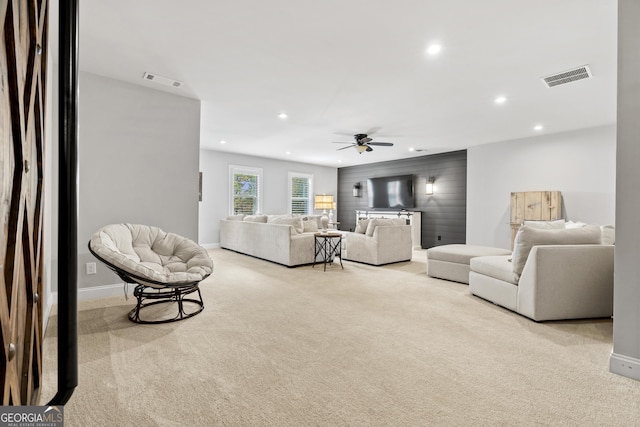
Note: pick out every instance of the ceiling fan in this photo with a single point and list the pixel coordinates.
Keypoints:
(363, 143)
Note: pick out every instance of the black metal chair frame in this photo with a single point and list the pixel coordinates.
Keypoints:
(173, 293)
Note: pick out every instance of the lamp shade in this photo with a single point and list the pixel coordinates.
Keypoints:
(323, 202)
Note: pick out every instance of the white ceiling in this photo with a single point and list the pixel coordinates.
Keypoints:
(348, 66)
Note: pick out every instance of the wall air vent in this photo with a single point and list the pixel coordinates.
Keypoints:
(162, 80)
(567, 76)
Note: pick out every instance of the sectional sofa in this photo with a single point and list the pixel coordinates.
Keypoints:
(282, 239)
(289, 240)
(557, 271)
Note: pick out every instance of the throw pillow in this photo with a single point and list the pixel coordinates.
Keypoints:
(546, 225)
(373, 223)
(608, 234)
(309, 225)
(529, 237)
(238, 217)
(316, 218)
(362, 225)
(255, 218)
(294, 222)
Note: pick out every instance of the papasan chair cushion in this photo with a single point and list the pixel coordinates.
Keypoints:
(165, 266)
(150, 255)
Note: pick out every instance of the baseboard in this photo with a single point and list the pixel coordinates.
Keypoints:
(624, 365)
(95, 292)
(210, 245)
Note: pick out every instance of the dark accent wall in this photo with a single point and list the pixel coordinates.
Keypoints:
(444, 213)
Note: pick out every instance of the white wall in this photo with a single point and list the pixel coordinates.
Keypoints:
(138, 153)
(625, 358)
(215, 187)
(580, 164)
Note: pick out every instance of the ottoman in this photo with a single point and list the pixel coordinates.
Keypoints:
(451, 262)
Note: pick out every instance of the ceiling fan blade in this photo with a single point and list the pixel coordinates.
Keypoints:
(365, 140)
(384, 144)
(369, 148)
(339, 142)
(348, 146)
(343, 132)
(373, 130)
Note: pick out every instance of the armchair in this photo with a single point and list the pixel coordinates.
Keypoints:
(383, 242)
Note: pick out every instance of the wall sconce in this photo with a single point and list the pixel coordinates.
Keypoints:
(356, 189)
(429, 190)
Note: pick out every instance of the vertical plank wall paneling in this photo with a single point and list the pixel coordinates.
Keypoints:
(444, 213)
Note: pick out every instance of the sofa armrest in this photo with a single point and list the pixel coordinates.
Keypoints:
(567, 282)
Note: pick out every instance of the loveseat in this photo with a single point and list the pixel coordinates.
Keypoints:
(283, 239)
(379, 241)
(552, 274)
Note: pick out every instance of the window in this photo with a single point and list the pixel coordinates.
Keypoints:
(300, 190)
(246, 190)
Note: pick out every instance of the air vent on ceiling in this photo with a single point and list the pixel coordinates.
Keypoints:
(162, 80)
(567, 76)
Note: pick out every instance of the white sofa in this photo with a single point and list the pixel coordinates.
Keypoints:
(278, 238)
(553, 274)
(379, 241)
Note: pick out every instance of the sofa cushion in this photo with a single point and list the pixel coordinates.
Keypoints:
(546, 225)
(255, 218)
(373, 223)
(294, 222)
(462, 254)
(576, 224)
(528, 237)
(497, 267)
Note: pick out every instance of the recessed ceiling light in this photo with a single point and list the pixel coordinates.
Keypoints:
(434, 49)
(538, 127)
(222, 141)
(287, 153)
(500, 100)
(412, 149)
(283, 115)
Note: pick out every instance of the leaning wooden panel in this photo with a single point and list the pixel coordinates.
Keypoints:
(534, 206)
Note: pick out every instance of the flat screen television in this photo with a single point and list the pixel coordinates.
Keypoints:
(390, 192)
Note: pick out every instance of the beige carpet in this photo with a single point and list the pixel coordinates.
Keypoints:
(363, 346)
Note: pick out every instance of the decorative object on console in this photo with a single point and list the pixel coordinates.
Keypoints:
(324, 202)
(333, 207)
(429, 190)
(356, 190)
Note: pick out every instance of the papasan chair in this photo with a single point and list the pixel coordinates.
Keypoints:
(164, 266)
